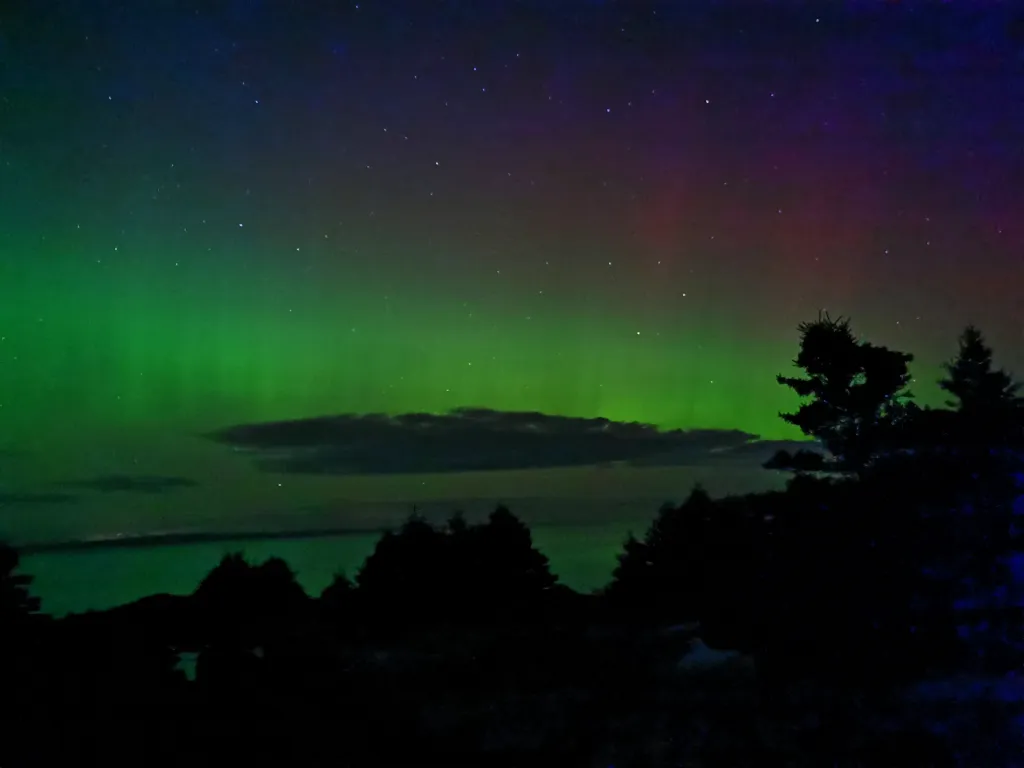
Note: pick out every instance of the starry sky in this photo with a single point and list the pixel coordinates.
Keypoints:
(220, 214)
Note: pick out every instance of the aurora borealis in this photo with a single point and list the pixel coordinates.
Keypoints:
(231, 212)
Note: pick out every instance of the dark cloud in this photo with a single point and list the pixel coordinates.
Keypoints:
(133, 483)
(24, 499)
(470, 439)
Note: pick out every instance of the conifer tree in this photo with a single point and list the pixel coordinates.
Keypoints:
(857, 393)
(984, 396)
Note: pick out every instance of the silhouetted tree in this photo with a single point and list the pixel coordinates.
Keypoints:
(857, 392)
(276, 589)
(985, 399)
(633, 586)
(976, 386)
(16, 602)
(339, 591)
(229, 579)
(494, 572)
(403, 579)
(245, 612)
(339, 604)
(226, 603)
(460, 572)
(508, 552)
(664, 577)
(851, 554)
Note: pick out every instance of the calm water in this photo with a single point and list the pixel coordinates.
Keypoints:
(583, 557)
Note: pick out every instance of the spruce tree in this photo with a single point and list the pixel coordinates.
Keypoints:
(984, 396)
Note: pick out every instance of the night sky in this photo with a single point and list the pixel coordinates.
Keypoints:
(218, 214)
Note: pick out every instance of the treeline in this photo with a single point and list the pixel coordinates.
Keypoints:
(887, 559)
(889, 556)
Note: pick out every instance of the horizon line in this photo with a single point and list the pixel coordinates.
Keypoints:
(185, 537)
